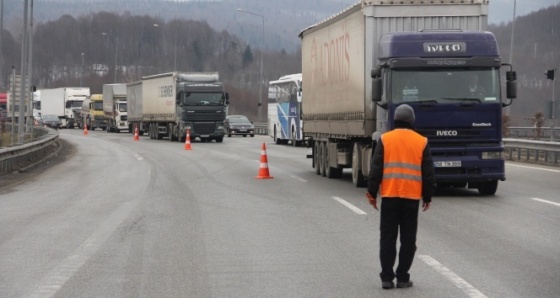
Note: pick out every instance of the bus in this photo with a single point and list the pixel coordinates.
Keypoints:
(284, 110)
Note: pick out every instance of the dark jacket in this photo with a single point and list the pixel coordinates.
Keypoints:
(375, 176)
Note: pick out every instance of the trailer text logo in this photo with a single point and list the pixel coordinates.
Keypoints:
(330, 61)
(166, 91)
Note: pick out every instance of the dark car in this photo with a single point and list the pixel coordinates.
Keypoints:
(52, 121)
(238, 125)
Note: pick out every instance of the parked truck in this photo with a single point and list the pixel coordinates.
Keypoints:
(92, 112)
(362, 63)
(64, 102)
(169, 104)
(115, 107)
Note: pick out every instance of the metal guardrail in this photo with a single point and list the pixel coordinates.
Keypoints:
(261, 128)
(16, 157)
(541, 152)
(531, 132)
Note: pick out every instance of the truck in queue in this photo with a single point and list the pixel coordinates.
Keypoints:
(364, 62)
(64, 102)
(169, 104)
(92, 112)
(115, 107)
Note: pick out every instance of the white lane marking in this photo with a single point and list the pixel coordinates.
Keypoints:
(298, 178)
(451, 276)
(545, 201)
(51, 283)
(350, 206)
(138, 156)
(533, 168)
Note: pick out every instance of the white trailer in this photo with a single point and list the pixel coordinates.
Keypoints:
(64, 102)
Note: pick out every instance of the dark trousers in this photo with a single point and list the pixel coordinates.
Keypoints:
(397, 213)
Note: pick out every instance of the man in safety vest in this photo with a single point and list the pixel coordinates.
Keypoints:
(402, 172)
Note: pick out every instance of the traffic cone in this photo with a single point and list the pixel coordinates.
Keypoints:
(85, 130)
(136, 138)
(263, 170)
(188, 141)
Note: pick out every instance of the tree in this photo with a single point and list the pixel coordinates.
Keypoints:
(247, 56)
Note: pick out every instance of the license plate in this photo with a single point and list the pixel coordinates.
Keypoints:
(448, 164)
(243, 130)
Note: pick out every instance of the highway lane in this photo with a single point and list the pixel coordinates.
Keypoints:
(117, 220)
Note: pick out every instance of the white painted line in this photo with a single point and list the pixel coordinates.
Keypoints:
(350, 206)
(138, 157)
(451, 276)
(51, 283)
(545, 201)
(298, 178)
(533, 168)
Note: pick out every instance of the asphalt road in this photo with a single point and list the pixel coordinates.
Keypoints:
(111, 217)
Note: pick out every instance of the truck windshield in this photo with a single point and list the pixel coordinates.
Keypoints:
(74, 104)
(202, 99)
(445, 86)
(122, 107)
(98, 105)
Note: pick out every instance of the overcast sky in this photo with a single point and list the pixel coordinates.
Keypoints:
(502, 10)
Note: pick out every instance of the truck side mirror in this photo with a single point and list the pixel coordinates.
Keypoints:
(511, 84)
(376, 89)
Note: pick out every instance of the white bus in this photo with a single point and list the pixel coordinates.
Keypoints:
(284, 110)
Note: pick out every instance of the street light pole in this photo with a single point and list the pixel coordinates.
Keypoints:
(116, 51)
(261, 71)
(82, 76)
(511, 46)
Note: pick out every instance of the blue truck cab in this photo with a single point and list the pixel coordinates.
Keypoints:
(452, 80)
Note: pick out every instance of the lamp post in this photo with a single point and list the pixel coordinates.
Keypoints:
(82, 76)
(262, 49)
(116, 52)
(511, 45)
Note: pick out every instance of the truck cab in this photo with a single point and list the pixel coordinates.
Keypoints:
(452, 80)
(92, 112)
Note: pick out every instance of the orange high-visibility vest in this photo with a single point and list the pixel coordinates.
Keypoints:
(402, 164)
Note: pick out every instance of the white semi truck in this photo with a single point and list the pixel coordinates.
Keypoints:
(166, 105)
(64, 102)
(115, 107)
(362, 63)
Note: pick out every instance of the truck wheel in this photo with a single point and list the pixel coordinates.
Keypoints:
(323, 161)
(488, 188)
(316, 158)
(219, 140)
(357, 177)
(330, 172)
(276, 139)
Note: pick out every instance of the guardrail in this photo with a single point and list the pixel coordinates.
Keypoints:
(261, 128)
(531, 132)
(16, 157)
(541, 152)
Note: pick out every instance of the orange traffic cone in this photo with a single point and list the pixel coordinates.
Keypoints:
(188, 141)
(85, 129)
(136, 138)
(263, 170)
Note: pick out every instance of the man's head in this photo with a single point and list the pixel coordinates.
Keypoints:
(405, 113)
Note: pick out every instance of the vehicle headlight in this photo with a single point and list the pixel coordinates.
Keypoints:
(220, 127)
(492, 155)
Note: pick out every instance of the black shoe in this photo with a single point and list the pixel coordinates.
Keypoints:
(404, 284)
(387, 285)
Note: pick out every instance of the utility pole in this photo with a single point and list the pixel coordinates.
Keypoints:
(550, 75)
(82, 75)
(23, 85)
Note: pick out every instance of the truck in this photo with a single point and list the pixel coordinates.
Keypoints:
(63, 102)
(115, 107)
(92, 112)
(169, 104)
(362, 63)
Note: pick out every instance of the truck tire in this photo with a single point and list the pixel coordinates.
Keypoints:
(219, 139)
(316, 158)
(323, 160)
(276, 139)
(358, 178)
(488, 188)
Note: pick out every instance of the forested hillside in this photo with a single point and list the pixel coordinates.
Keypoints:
(139, 45)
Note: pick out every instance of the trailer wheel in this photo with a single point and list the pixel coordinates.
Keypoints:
(357, 177)
(488, 188)
(323, 161)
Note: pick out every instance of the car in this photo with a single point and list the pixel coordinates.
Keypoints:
(239, 125)
(52, 121)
